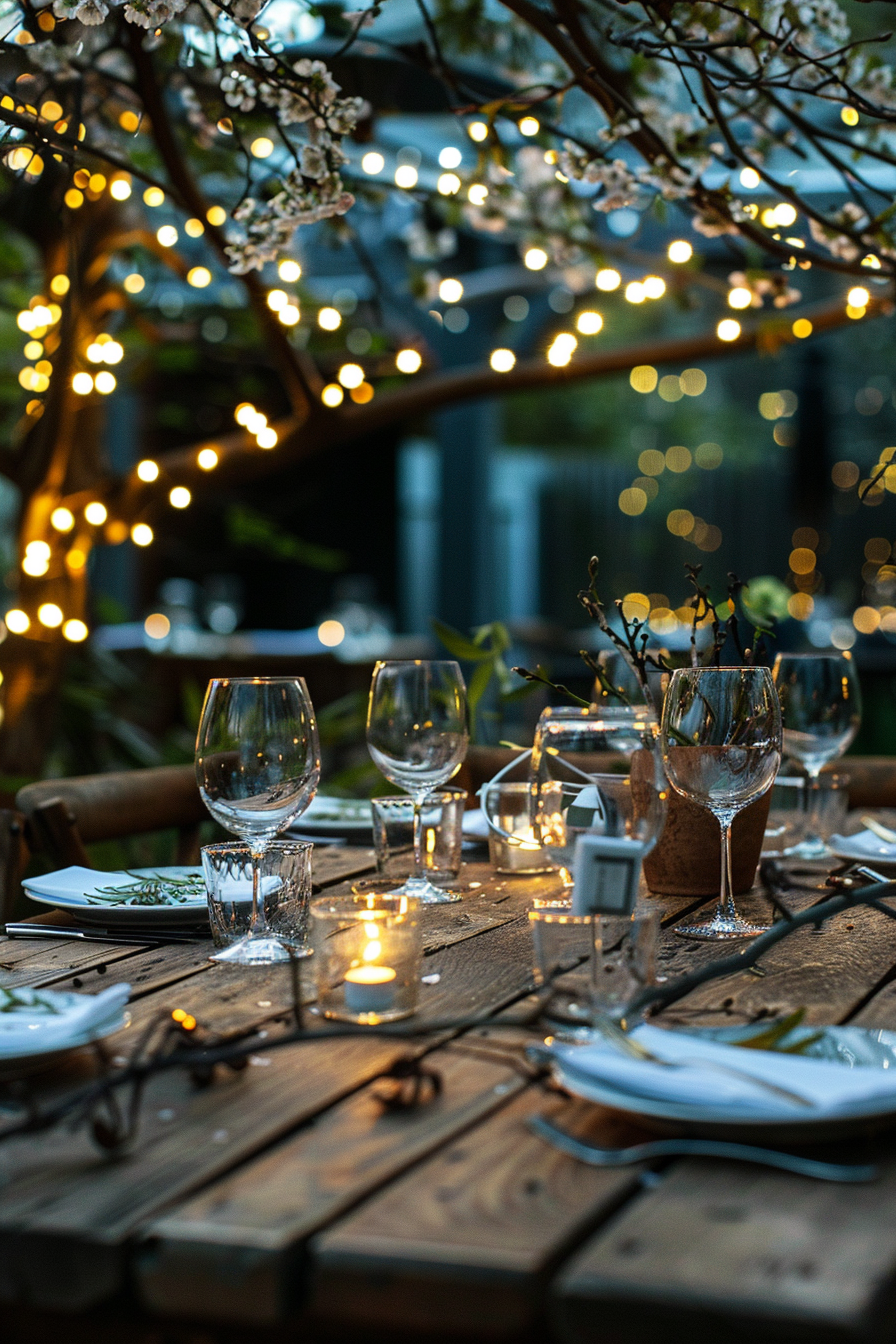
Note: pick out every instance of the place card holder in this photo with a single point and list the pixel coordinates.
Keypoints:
(606, 875)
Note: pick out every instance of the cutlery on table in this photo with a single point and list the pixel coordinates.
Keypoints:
(102, 935)
(736, 1152)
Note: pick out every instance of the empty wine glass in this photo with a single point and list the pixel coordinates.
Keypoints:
(721, 736)
(417, 736)
(258, 767)
(821, 707)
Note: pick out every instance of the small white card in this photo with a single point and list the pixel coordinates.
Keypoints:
(606, 873)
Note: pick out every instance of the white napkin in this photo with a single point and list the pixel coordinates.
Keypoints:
(33, 1026)
(73, 884)
(831, 1088)
(865, 843)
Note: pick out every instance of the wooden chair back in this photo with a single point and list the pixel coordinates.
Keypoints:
(60, 817)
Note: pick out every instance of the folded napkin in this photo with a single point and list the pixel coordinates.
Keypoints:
(866, 843)
(702, 1077)
(74, 883)
(42, 1019)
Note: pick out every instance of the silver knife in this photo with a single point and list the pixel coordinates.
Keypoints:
(100, 935)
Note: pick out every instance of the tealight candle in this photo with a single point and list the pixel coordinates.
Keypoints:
(370, 989)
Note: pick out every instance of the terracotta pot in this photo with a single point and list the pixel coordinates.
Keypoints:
(687, 858)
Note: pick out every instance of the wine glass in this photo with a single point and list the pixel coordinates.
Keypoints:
(822, 708)
(258, 767)
(721, 737)
(417, 736)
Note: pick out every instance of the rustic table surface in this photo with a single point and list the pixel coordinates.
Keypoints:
(287, 1201)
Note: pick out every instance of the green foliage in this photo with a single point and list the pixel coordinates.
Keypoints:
(247, 527)
(486, 652)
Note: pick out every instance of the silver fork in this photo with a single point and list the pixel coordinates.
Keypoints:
(737, 1152)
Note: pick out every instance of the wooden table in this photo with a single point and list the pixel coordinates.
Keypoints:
(286, 1202)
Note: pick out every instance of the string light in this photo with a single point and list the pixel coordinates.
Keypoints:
(502, 361)
(147, 470)
(199, 277)
(290, 271)
(75, 631)
(406, 176)
(589, 323)
(739, 297)
(194, 228)
(179, 497)
(262, 148)
(408, 361)
(62, 519)
(802, 328)
(654, 286)
(351, 375)
(529, 126)
(17, 621)
(634, 292)
(728, 329)
(277, 299)
(120, 189)
(373, 163)
(449, 184)
(167, 235)
(535, 258)
(858, 297)
(451, 291)
(96, 513)
(157, 625)
(60, 285)
(330, 319)
(105, 382)
(450, 157)
(332, 395)
(849, 116)
(749, 178)
(154, 196)
(679, 251)
(216, 216)
(207, 459)
(478, 131)
(477, 193)
(50, 615)
(607, 280)
(134, 283)
(141, 534)
(267, 437)
(82, 384)
(289, 315)
(561, 349)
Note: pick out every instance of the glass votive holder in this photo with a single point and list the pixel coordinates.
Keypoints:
(565, 950)
(285, 891)
(368, 950)
(804, 814)
(515, 843)
(393, 834)
(625, 962)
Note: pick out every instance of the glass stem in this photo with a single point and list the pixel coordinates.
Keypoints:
(258, 926)
(418, 837)
(812, 800)
(726, 908)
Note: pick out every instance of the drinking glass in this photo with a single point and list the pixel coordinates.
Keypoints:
(721, 737)
(417, 737)
(822, 708)
(258, 767)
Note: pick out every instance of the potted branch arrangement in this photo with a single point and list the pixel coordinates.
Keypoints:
(687, 857)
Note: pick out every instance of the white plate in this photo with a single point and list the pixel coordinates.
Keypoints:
(42, 1049)
(336, 818)
(71, 889)
(853, 1047)
(865, 847)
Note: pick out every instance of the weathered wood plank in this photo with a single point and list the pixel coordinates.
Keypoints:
(232, 1252)
(722, 1251)
(464, 1243)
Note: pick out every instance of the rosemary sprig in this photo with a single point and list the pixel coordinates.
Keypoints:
(152, 890)
(11, 1002)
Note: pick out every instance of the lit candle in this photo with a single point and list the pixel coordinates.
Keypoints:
(370, 989)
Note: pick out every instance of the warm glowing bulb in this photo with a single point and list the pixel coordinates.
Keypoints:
(728, 329)
(216, 216)
(62, 519)
(858, 297)
(351, 375)
(680, 251)
(153, 196)
(654, 286)
(277, 299)
(330, 319)
(157, 625)
(477, 193)
(290, 271)
(147, 470)
(75, 631)
(802, 328)
(785, 215)
(267, 437)
(749, 178)
(849, 116)
(408, 361)
(199, 277)
(535, 258)
(634, 292)
(179, 497)
(332, 395)
(451, 291)
(502, 361)
(35, 566)
(50, 615)
(17, 621)
(739, 297)
(207, 459)
(120, 189)
(60, 285)
(289, 315)
(167, 235)
(194, 228)
(450, 157)
(331, 633)
(607, 279)
(477, 130)
(141, 534)
(449, 184)
(96, 513)
(589, 323)
(134, 283)
(105, 382)
(406, 176)
(262, 148)
(373, 163)
(529, 126)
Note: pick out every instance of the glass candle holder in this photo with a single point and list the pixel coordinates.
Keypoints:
(368, 950)
(285, 890)
(566, 948)
(393, 834)
(525, 843)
